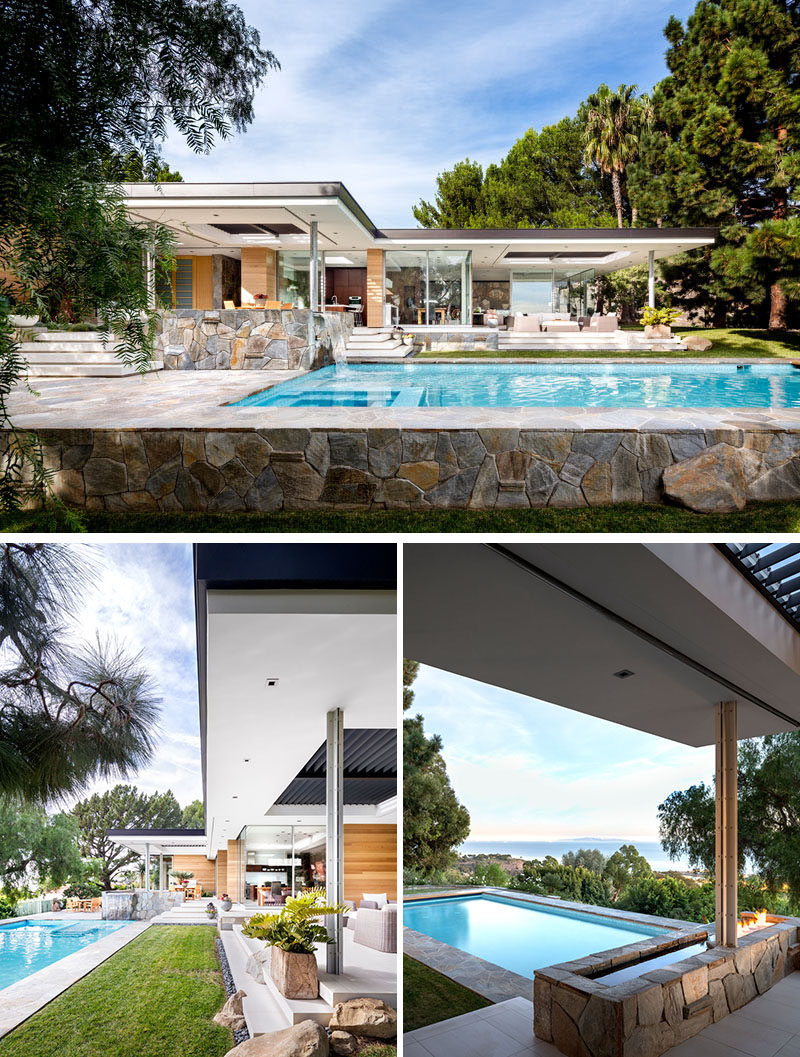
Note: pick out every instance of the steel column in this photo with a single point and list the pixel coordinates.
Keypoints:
(334, 840)
(313, 269)
(147, 867)
(725, 880)
(651, 278)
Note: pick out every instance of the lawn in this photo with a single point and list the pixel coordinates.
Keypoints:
(624, 517)
(155, 998)
(429, 997)
(730, 342)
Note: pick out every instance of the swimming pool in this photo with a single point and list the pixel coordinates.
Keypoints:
(517, 935)
(542, 384)
(27, 946)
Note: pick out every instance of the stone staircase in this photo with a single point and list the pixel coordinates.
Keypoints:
(374, 341)
(74, 354)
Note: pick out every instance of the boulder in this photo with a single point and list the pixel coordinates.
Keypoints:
(231, 1015)
(342, 1042)
(365, 1016)
(259, 963)
(306, 1039)
(709, 483)
(696, 343)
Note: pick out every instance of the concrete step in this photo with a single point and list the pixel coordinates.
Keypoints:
(72, 347)
(374, 336)
(68, 335)
(87, 370)
(64, 356)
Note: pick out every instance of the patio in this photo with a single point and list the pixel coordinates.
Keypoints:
(712, 657)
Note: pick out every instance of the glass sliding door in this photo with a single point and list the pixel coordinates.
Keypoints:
(430, 288)
(283, 860)
(531, 292)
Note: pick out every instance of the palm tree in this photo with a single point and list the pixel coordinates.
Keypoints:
(69, 713)
(613, 123)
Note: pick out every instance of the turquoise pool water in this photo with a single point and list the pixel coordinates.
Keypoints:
(540, 384)
(519, 936)
(26, 946)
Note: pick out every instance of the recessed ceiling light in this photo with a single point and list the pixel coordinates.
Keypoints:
(624, 673)
(236, 795)
(271, 681)
(247, 759)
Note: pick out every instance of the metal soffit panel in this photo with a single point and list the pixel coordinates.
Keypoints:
(472, 612)
(774, 569)
(370, 770)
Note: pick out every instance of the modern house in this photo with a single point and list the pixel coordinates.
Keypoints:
(297, 677)
(695, 642)
(312, 245)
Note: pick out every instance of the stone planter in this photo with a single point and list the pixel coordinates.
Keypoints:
(226, 904)
(295, 975)
(23, 322)
(658, 331)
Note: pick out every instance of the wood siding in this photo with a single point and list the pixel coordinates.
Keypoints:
(203, 284)
(259, 273)
(375, 288)
(199, 865)
(233, 883)
(370, 861)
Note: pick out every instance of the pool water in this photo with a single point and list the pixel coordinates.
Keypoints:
(519, 936)
(540, 384)
(26, 946)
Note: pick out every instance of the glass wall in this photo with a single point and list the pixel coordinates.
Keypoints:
(291, 858)
(430, 287)
(294, 277)
(531, 292)
(564, 291)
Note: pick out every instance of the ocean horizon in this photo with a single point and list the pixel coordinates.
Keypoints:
(538, 849)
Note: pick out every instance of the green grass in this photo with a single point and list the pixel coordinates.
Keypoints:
(429, 997)
(155, 998)
(730, 342)
(624, 517)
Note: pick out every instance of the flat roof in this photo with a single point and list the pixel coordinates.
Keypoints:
(650, 636)
(220, 217)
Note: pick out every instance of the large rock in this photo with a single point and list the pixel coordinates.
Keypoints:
(343, 1043)
(695, 343)
(307, 1039)
(258, 963)
(710, 483)
(231, 1015)
(365, 1016)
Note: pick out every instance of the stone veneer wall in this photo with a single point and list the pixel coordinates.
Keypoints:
(251, 339)
(648, 1015)
(293, 469)
(138, 905)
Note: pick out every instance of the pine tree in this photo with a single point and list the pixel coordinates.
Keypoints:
(723, 148)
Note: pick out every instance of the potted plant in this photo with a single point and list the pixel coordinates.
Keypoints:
(408, 339)
(226, 901)
(183, 877)
(23, 317)
(293, 934)
(211, 911)
(658, 321)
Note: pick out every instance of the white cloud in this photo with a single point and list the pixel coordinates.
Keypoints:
(384, 97)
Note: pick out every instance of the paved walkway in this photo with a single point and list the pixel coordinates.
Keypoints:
(769, 1026)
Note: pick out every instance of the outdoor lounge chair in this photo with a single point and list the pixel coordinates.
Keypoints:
(377, 928)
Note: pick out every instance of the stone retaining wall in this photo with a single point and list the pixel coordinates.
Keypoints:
(292, 469)
(648, 1015)
(138, 905)
(251, 339)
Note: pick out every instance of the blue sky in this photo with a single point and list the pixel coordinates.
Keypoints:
(142, 594)
(529, 770)
(385, 96)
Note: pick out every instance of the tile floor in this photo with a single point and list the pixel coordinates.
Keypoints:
(768, 1027)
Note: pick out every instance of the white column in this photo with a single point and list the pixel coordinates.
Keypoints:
(147, 867)
(313, 272)
(150, 278)
(726, 873)
(334, 859)
(651, 278)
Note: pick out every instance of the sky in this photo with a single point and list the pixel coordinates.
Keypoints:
(530, 770)
(142, 595)
(384, 96)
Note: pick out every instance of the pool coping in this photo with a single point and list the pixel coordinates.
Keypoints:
(188, 400)
(498, 984)
(22, 999)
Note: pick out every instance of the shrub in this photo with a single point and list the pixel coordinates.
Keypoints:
(653, 317)
(491, 875)
(6, 908)
(83, 890)
(550, 877)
